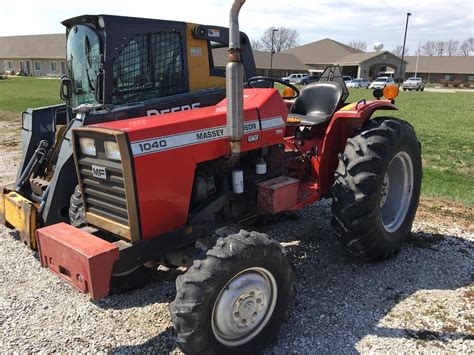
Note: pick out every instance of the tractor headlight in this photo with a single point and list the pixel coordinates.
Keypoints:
(112, 150)
(87, 146)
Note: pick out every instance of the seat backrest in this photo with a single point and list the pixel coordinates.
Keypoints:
(318, 99)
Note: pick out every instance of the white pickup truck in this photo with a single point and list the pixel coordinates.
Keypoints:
(294, 78)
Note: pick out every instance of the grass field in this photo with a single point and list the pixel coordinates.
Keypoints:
(444, 123)
(18, 94)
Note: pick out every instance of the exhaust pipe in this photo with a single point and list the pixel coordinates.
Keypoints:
(235, 81)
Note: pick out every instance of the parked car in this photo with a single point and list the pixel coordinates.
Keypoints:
(293, 78)
(413, 83)
(381, 82)
(347, 78)
(358, 83)
(308, 79)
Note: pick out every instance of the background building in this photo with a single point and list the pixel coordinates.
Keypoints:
(37, 55)
(44, 55)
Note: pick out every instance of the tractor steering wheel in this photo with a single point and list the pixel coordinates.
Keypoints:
(273, 81)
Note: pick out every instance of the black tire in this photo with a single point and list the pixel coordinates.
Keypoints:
(198, 290)
(77, 215)
(357, 190)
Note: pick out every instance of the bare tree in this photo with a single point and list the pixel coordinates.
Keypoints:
(428, 48)
(398, 51)
(256, 44)
(464, 48)
(283, 39)
(360, 45)
(440, 47)
(467, 47)
(452, 47)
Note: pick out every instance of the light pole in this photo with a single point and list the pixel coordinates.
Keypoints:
(403, 50)
(272, 52)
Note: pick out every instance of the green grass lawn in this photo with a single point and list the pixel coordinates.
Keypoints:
(19, 93)
(444, 123)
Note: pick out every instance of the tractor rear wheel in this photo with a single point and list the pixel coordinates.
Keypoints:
(377, 188)
(234, 297)
(77, 215)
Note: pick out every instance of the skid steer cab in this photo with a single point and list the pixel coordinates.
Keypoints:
(156, 190)
(116, 68)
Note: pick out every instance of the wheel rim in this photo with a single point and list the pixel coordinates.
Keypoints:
(244, 306)
(397, 189)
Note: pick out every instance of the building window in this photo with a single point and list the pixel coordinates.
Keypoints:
(54, 66)
(469, 77)
(448, 77)
(23, 66)
(38, 66)
(9, 65)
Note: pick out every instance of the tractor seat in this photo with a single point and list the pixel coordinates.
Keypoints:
(316, 103)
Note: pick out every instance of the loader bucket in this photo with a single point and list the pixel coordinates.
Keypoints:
(80, 258)
(20, 213)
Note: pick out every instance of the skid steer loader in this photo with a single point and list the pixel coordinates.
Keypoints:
(117, 68)
(156, 189)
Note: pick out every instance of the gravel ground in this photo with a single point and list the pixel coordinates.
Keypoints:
(421, 300)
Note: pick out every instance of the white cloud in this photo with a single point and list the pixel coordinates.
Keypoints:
(342, 20)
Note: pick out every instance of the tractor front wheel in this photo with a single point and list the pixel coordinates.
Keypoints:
(377, 188)
(234, 297)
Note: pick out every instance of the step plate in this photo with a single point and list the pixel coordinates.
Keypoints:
(81, 259)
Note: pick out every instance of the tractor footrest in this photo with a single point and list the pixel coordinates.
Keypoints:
(81, 259)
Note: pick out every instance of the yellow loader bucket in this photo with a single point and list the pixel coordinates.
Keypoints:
(19, 213)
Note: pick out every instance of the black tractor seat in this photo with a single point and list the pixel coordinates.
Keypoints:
(316, 103)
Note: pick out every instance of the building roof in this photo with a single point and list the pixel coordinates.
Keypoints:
(281, 61)
(325, 51)
(441, 65)
(357, 58)
(49, 46)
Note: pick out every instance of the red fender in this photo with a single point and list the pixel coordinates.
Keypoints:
(343, 125)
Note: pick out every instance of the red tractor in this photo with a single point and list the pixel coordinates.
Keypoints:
(154, 189)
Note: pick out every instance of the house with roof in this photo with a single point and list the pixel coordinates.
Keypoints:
(435, 68)
(45, 55)
(282, 64)
(356, 63)
(35, 55)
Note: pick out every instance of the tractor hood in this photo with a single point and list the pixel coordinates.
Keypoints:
(159, 155)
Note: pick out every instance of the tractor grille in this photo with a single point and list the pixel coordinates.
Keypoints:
(105, 197)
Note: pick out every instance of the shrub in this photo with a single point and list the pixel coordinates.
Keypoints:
(444, 82)
(457, 83)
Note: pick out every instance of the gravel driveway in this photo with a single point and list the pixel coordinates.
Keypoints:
(422, 299)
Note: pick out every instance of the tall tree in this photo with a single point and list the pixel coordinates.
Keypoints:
(452, 47)
(284, 38)
(440, 47)
(360, 45)
(428, 48)
(467, 47)
(256, 44)
(398, 51)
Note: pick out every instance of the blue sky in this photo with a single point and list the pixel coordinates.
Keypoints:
(342, 20)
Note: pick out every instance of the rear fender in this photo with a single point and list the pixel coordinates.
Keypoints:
(344, 124)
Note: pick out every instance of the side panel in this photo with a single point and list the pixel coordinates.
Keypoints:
(38, 124)
(198, 63)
